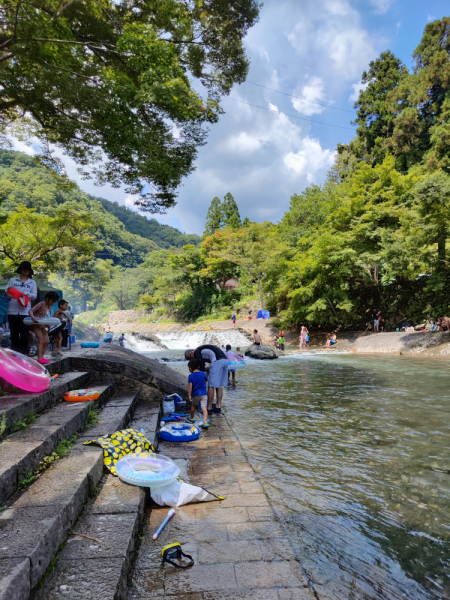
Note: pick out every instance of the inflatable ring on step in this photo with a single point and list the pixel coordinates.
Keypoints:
(81, 395)
(42, 322)
(147, 469)
(179, 432)
(89, 344)
(23, 372)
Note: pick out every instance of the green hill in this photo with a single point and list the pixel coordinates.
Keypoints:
(127, 238)
(164, 235)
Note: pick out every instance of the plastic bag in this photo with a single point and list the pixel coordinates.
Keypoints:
(179, 493)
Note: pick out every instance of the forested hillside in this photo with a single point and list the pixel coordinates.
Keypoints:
(163, 235)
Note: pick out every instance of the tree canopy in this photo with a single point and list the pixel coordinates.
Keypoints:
(111, 83)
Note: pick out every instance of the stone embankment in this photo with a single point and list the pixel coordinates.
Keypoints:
(398, 342)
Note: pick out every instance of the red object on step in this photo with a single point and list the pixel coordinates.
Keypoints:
(19, 296)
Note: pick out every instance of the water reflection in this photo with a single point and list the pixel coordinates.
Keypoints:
(354, 452)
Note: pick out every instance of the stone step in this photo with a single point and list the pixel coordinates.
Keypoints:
(19, 406)
(88, 569)
(33, 528)
(21, 452)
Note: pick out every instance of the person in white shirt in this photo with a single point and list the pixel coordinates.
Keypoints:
(18, 309)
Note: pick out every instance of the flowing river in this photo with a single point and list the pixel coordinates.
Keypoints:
(354, 454)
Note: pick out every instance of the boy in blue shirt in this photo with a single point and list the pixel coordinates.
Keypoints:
(197, 391)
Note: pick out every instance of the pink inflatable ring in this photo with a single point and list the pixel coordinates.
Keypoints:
(23, 372)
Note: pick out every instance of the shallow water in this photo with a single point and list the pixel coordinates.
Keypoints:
(354, 453)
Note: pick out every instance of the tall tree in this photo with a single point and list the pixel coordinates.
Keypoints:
(375, 121)
(110, 82)
(422, 102)
(214, 217)
(231, 216)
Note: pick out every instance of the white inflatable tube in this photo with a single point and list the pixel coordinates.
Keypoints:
(42, 322)
(233, 366)
(147, 469)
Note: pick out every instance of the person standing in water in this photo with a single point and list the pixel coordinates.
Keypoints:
(232, 357)
(18, 309)
(233, 318)
(303, 336)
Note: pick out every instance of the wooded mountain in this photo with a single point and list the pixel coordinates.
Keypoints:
(163, 235)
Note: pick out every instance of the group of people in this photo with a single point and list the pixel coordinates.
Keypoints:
(27, 304)
(379, 324)
(279, 340)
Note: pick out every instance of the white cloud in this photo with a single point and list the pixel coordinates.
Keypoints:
(312, 93)
(328, 35)
(430, 18)
(310, 159)
(357, 87)
(381, 6)
(350, 50)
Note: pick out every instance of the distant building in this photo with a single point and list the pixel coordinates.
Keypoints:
(230, 284)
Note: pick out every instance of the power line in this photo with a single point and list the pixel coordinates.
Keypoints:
(279, 112)
(301, 98)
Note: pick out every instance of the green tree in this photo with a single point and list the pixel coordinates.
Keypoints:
(250, 248)
(231, 216)
(433, 195)
(214, 217)
(110, 82)
(375, 120)
(64, 240)
(421, 102)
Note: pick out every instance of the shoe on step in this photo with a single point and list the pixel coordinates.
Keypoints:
(54, 354)
(217, 410)
(205, 426)
(189, 420)
(210, 412)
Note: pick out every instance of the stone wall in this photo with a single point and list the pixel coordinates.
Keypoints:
(124, 316)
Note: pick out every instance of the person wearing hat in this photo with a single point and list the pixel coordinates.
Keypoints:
(18, 308)
(218, 371)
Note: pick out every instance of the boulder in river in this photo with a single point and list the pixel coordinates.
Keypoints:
(261, 352)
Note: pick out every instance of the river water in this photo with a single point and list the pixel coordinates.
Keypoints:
(354, 453)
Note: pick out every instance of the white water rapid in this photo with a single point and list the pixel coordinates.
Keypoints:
(180, 340)
(131, 342)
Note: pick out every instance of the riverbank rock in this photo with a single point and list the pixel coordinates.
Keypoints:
(261, 352)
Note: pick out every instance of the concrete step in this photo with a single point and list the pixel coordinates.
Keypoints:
(19, 406)
(33, 528)
(21, 452)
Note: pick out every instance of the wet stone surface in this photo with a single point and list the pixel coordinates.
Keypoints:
(239, 548)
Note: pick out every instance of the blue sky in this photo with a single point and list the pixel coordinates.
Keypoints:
(315, 50)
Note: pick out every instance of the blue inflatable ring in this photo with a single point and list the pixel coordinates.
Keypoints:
(179, 432)
(89, 344)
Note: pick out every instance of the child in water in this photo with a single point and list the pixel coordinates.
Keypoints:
(197, 391)
(40, 311)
